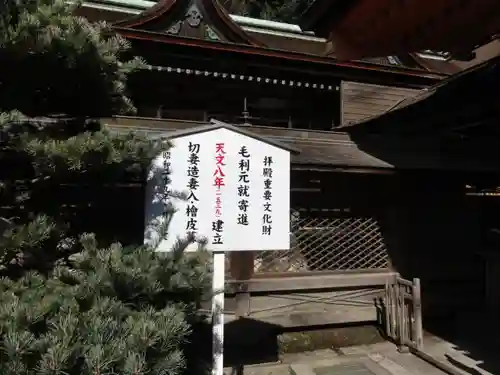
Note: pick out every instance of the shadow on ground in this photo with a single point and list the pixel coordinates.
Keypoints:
(249, 342)
(246, 342)
(476, 336)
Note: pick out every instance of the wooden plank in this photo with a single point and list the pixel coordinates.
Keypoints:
(361, 100)
(394, 311)
(417, 312)
(400, 317)
(242, 268)
(404, 321)
(388, 323)
(334, 316)
(407, 296)
(339, 281)
(445, 367)
(341, 97)
(404, 282)
(342, 169)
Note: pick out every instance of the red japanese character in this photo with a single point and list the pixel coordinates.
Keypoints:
(219, 160)
(218, 171)
(219, 148)
(219, 182)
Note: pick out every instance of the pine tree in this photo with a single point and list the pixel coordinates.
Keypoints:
(72, 303)
(110, 311)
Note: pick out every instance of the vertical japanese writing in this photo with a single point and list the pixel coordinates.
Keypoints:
(267, 173)
(219, 183)
(243, 186)
(193, 184)
(167, 162)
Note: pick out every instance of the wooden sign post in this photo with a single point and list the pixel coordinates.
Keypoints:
(237, 199)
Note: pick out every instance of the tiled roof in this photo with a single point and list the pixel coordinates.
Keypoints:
(336, 150)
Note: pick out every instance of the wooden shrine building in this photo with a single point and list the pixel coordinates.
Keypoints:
(349, 187)
(191, 46)
(449, 227)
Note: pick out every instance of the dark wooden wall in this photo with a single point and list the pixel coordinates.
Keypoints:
(436, 234)
(431, 228)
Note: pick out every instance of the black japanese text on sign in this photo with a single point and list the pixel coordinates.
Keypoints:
(267, 173)
(219, 183)
(193, 174)
(243, 185)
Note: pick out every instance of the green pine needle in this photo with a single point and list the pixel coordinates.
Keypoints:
(74, 301)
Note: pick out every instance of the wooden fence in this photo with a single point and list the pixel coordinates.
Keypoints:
(402, 319)
(327, 240)
(403, 313)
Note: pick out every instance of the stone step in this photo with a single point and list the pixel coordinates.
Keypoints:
(367, 364)
(414, 364)
(331, 363)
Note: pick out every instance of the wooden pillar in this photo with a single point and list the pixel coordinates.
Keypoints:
(341, 106)
(402, 319)
(388, 310)
(417, 311)
(241, 266)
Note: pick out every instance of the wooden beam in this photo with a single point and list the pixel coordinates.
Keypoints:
(345, 169)
(443, 366)
(315, 281)
(242, 269)
(210, 55)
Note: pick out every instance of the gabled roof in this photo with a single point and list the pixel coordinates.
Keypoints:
(205, 18)
(471, 91)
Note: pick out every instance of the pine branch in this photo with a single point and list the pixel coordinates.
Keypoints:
(89, 151)
(71, 303)
(85, 58)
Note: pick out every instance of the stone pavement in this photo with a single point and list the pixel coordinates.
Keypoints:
(463, 357)
(376, 359)
(468, 341)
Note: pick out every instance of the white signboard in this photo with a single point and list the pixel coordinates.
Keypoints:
(237, 189)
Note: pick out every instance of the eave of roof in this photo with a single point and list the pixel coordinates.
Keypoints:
(238, 29)
(135, 7)
(335, 151)
(215, 125)
(364, 29)
(276, 53)
(446, 87)
(318, 150)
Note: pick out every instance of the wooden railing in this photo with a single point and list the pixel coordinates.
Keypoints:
(403, 313)
(402, 317)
